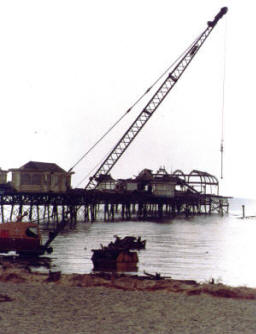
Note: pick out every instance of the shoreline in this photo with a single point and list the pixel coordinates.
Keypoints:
(12, 273)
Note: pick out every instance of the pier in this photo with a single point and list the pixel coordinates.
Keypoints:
(95, 205)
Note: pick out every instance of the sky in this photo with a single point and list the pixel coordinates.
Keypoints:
(70, 69)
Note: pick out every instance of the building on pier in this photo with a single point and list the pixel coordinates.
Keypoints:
(162, 183)
(40, 177)
(159, 184)
(106, 182)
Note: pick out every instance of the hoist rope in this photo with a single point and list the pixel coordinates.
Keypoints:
(93, 169)
(132, 106)
(223, 99)
(97, 142)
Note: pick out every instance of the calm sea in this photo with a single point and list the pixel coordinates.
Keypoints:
(198, 248)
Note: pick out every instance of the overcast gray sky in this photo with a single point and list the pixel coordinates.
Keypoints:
(70, 69)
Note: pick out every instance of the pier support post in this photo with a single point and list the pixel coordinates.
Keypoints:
(2, 213)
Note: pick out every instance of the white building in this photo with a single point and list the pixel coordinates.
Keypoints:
(40, 177)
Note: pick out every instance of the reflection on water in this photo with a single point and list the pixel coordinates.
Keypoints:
(199, 248)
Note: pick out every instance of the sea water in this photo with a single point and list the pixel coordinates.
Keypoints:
(200, 248)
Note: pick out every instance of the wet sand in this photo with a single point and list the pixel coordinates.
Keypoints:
(33, 303)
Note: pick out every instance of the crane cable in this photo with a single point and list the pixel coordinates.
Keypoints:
(93, 169)
(132, 106)
(223, 100)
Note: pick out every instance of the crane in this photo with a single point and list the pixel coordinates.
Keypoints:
(153, 103)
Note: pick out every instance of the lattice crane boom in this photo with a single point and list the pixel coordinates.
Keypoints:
(153, 104)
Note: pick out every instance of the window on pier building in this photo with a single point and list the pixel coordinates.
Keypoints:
(30, 179)
(36, 179)
(25, 178)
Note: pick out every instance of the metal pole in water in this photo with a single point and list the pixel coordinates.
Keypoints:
(243, 208)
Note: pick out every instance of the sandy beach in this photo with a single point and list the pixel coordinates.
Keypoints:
(39, 303)
(52, 308)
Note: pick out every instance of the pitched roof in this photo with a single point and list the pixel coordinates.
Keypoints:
(145, 174)
(42, 167)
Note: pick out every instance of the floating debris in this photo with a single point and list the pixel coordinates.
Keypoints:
(118, 255)
(129, 242)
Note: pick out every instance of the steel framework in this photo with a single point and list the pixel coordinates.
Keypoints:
(199, 181)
